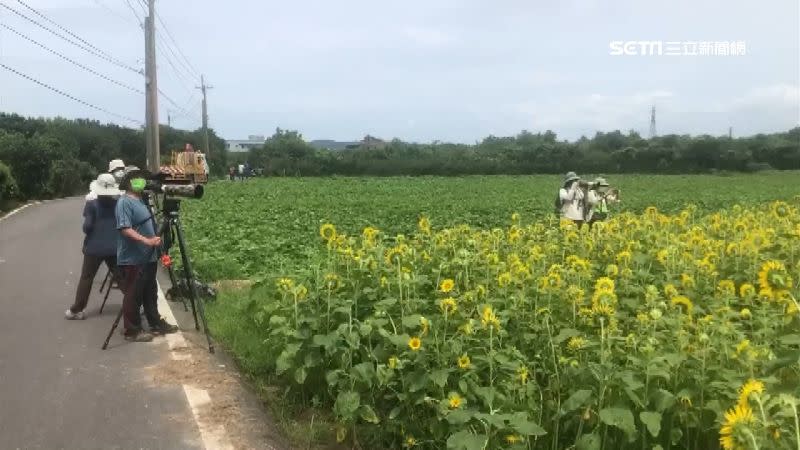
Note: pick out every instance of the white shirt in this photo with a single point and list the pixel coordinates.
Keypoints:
(571, 202)
(91, 196)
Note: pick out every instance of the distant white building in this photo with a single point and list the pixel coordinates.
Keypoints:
(244, 145)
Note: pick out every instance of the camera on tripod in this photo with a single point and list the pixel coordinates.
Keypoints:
(159, 185)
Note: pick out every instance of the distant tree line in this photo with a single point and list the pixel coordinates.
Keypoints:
(46, 158)
(286, 153)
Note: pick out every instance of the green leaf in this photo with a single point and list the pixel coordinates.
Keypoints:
(439, 377)
(395, 412)
(300, 375)
(459, 417)
(285, 360)
(663, 399)
(368, 414)
(575, 401)
(464, 440)
(346, 405)
(652, 420)
(790, 339)
(588, 442)
(621, 418)
(496, 420)
(565, 334)
(519, 421)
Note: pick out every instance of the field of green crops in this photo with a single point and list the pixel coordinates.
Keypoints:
(265, 226)
(458, 313)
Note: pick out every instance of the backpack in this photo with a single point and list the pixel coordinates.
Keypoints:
(557, 205)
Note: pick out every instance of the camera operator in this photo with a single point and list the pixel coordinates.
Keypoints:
(571, 198)
(599, 197)
(116, 168)
(100, 243)
(136, 256)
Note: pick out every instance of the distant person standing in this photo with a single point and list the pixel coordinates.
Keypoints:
(572, 198)
(599, 197)
(241, 172)
(232, 173)
(100, 243)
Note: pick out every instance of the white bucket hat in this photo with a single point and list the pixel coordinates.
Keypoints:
(115, 164)
(105, 185)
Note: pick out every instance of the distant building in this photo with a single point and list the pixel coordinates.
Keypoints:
(372, 143)
(328, 144)
(244, 145)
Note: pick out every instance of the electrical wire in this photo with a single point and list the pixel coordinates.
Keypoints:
(69, 96)
(186, 63)
(135, 14)
(83, 47)
(71, 61)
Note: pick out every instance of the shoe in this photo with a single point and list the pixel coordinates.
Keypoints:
(163, 327)
(139, 336)
(74, 316)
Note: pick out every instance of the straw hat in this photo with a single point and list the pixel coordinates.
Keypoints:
(115, 164)
(571, 176)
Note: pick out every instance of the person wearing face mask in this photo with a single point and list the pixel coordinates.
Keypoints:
(570, 199)
(137, 249)
(100, 243)
(116, 168)
(599, 197)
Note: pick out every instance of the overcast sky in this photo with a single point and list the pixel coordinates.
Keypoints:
(452, 70)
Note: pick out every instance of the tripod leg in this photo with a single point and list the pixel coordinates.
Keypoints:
(105, 299)
(113, 327)
(187, 267)
(174, 279)
(105, 280)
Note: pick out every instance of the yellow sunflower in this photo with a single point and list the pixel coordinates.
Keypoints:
(447, 285)
(773, 278)
(735, 418)
(747, 290)
(604, 284)
(415, 343)
(684, 301)
(328, 232)
(424, 225)
(454, 401)
(749, 388)
(448, 305)
(464, 362)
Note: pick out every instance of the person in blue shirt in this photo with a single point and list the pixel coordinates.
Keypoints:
(100, 243)
(137, 249)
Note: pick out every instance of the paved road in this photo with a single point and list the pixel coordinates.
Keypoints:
(58, 390)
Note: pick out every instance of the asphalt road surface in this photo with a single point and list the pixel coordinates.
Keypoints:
(58, 389)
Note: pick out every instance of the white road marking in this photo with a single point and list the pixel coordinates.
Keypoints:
(214, 436)
(18, 210)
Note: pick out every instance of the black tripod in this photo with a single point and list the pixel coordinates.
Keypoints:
(170, 228)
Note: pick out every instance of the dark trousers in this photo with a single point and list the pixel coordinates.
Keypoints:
(89, 269)
(140, 290)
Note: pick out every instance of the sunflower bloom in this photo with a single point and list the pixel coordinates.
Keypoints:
(424, 225)
(512, 439)
(415, 343)
(328, 232)
(447, 285)
(454, 401)
(604, 284)
(464, 362)
(682, 300)
(773, 278)
(448, 305)
(751, 387)
(735, 418)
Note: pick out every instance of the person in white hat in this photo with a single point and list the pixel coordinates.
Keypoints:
(116, 168)
(100, 243)
(571, 198)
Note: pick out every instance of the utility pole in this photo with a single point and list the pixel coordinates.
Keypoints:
(203, 87)
(151, 91)
(653, 122)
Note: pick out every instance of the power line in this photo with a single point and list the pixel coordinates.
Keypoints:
(164, 45)
(65, 58)
(135, 14)
(176, 105)
(71, 97)
(82, 47)
(63, 29)
(112, 12)
(185, 61)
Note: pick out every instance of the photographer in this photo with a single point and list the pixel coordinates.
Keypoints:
(598, 198)
(571, 199)
(100, 243)
(136, 256)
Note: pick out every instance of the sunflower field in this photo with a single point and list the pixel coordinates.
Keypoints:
(649, 331)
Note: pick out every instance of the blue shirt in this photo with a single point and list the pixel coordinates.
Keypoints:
(100, 226)
(133, 213)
